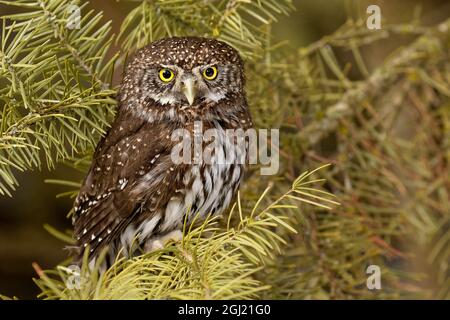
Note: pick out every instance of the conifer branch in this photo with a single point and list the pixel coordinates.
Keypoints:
(386, 131)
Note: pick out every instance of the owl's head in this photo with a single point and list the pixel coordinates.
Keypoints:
(183, 72)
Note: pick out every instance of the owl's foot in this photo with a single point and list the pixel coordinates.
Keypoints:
(159, 242)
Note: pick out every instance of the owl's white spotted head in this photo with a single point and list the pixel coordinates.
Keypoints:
(186, 73)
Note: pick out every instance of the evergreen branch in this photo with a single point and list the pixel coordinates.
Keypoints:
(241, 23)
(211, 262)
(391, 178)
(423, 47)
(56, 104)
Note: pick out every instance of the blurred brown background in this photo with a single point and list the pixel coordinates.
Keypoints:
(22, 237)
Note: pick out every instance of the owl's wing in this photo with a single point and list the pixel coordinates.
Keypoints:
(129, 163)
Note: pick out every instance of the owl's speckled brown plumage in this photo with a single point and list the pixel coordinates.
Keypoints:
(133, 189)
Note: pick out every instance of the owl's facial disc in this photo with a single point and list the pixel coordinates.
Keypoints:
(192, 87)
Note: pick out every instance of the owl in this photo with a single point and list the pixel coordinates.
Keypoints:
(135, 196)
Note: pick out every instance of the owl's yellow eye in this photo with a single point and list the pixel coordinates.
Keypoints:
(166, 75)
(210, 73)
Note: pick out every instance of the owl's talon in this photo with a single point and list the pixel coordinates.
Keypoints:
(174, 236)
(156, 245)
(159, 243)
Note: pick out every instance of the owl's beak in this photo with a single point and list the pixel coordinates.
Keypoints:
(189, 90)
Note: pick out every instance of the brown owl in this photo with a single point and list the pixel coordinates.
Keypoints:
(135, 196)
